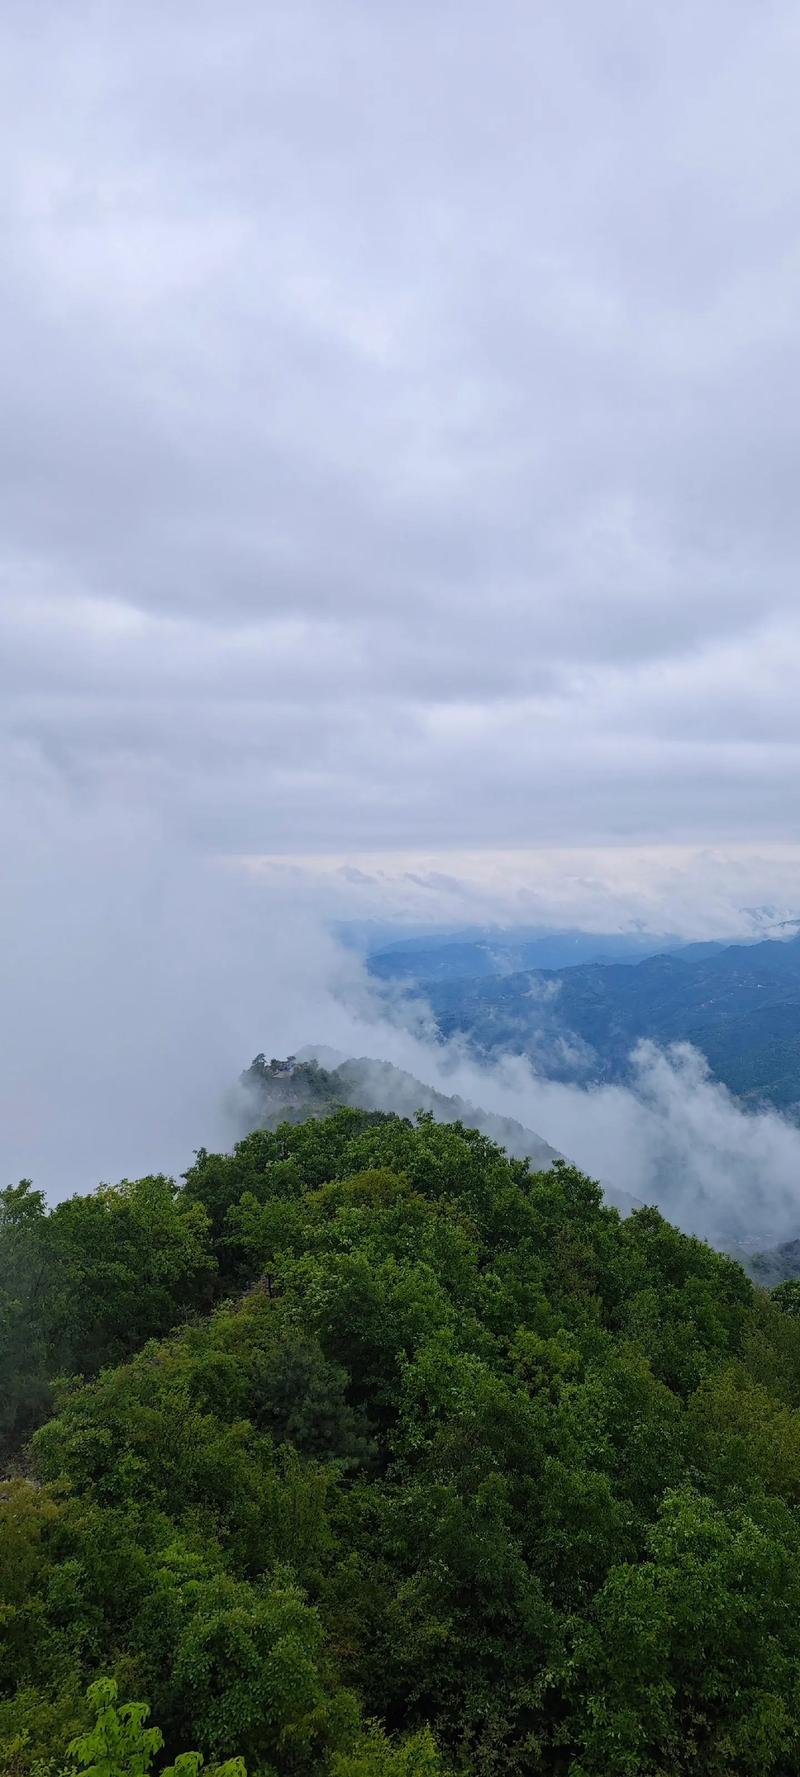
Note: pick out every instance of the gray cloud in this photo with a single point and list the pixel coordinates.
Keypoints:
(400, 421)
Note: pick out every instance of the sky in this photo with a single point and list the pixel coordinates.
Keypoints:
(400, 430)
(398, 504)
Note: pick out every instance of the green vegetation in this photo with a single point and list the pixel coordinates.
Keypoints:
(370, 1452)
(290, 1091)
(120, 1745)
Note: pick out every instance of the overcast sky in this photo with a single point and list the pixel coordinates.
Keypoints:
(400, 428)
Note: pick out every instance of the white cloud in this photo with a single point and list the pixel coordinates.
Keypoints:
(414, 400)
(397, 482)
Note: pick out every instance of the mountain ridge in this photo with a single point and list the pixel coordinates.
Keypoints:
(602, 1010)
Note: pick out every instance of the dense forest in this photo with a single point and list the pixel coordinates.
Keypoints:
(369, 1451)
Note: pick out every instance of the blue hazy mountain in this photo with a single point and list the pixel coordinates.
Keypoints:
(486, 951)
(739, 1004)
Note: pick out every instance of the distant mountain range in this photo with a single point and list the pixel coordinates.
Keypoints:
(496, 950)
(738, 1003)
(450, 957)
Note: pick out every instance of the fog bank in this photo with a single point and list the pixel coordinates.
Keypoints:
(138, 980)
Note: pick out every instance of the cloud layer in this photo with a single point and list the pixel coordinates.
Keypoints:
(398, 513)
(400, 421)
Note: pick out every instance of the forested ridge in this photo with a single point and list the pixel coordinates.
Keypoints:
(368, 1451)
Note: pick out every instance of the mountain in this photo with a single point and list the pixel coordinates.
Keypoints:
(451, 956)
(774, 1265)
(740, 1005)
(369, 1451)
(290, 1091)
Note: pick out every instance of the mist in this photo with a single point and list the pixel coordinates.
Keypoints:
(139, 978)
(674, 1136)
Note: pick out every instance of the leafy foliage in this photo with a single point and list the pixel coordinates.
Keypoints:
(375, 1453)
(88, 1283)
(120, 1745)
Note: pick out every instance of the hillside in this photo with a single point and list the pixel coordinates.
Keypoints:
(294, 1089)
(384, 1455)
(740, 1005)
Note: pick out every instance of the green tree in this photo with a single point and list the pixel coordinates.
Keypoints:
(119, 1744)
(25, 1279)
(464, 1474)
(786, 1296)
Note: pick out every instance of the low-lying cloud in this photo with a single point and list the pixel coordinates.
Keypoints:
(141, 980)
(674, 1136)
